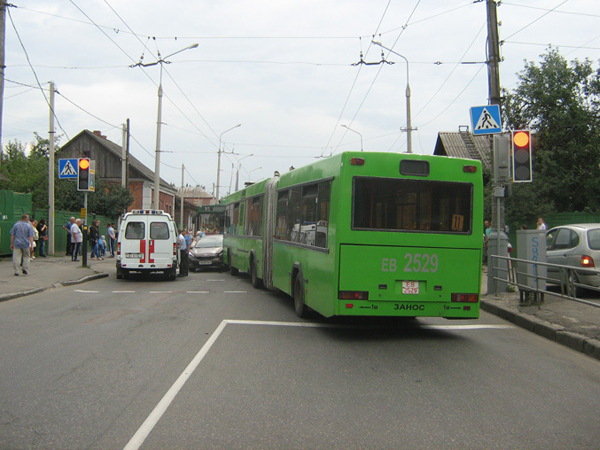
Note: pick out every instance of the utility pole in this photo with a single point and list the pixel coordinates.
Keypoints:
(498, 239)
(182, 196)
(2, 44)
(493, 54)
(51, 213)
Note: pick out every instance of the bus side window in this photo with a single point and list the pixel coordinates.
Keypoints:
(294, 215)
(282, 207)
(323, 203)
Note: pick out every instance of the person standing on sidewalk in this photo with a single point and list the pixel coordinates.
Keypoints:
(67, 227)
(21, 244)
(43, 232)
(94, 237)
(76, 239)
(183, 255)
(111, 239)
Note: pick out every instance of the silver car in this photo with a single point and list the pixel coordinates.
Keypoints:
(578, 246)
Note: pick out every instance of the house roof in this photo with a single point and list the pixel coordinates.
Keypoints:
(463, 144)
(116, 151)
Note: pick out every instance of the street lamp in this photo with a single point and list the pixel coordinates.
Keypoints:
(354, 131)
(161, 60)
(408, 123)
(250, 173)
(219, 158)
(237, 173)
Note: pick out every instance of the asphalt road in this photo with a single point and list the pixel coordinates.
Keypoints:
(208, 362)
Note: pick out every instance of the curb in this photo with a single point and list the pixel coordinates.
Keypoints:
(13, 295)
(556, 333)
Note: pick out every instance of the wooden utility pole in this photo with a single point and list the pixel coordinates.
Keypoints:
(493, 59)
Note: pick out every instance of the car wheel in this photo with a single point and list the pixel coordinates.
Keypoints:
(119, 273)
(302, 310)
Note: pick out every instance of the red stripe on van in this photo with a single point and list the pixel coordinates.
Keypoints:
(143, 250)
(150, 250)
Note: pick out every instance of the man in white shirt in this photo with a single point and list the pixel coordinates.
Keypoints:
(76, 239)
(183, 255)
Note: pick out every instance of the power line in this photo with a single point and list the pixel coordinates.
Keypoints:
(34, 72)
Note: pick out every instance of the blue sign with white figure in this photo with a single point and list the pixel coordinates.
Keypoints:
(486, 119)
(67, 168)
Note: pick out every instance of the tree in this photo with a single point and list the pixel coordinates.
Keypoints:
(559, 102)
(107, 200)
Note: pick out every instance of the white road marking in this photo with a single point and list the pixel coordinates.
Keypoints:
(146, 428)
(86, 292)
(235, 292)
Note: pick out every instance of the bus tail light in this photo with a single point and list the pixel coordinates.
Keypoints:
(357, 161)
(465, 298)
(353, 295)
(587, 261)
(470, 169)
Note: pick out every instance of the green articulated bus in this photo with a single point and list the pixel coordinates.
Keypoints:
(365, 234)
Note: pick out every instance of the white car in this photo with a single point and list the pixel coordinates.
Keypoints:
(578, 246)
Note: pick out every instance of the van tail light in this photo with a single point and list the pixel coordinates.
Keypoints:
(175, 249)
(587, 261)
(118, 248)
(465, 298)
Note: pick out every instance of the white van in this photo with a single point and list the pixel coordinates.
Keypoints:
(147, 242)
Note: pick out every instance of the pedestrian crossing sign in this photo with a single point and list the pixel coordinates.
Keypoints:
(486, 119)
(67, 168)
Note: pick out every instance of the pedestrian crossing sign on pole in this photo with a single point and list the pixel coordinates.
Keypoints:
(486, 119)
(67, 168)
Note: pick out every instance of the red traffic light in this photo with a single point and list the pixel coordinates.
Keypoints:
(521, 139)
(84, 163)
(521, 157)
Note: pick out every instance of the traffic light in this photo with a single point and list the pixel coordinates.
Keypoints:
(521, 156)
(83, 174)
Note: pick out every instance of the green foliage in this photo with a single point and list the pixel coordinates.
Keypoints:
(559, 102)
(108, 200)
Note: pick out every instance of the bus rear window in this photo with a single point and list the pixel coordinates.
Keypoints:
(135, 230)
(390, 204)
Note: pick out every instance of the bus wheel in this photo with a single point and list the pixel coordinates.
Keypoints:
(256, 282)
(302, 310)
(232, 270)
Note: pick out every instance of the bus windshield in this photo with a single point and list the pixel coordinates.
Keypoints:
(391, 204)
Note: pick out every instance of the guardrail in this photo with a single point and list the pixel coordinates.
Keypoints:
(532, 284)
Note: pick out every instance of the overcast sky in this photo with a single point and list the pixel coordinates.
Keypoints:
(285, 70)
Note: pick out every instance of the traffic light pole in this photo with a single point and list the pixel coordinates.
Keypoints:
(498, 239)
(85, 232)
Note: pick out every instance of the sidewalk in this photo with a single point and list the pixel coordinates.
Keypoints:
(567, 322)
(49, 272)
